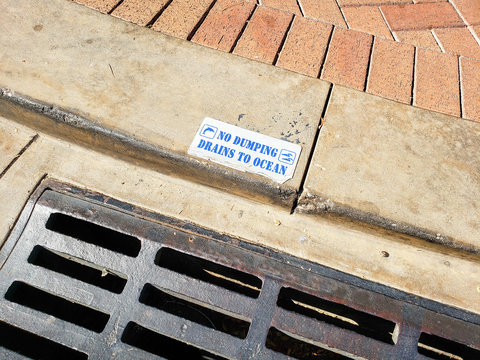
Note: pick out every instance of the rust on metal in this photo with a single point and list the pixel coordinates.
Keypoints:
(158, 286)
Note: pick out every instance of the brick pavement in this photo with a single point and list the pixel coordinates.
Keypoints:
(423, 53)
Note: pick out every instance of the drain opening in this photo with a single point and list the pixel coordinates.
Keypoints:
(35, 347)
(34, 298)
(280, 342)
(160, 299)
(436, 347)
(209, 271)
(337, 314)
(94, 234)
(217, 259)
(78, 269)
(166, 347)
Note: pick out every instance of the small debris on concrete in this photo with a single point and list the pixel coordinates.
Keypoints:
(111, 70)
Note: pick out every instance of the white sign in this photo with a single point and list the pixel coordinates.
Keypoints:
(245, 150)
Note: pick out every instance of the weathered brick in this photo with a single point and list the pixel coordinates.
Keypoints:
(305, 46)
(470, 10)
(343, 3)
(437, 82)
(139, 11)
(101, 5)
(181, 16)
(470, 70)
(367, 19)
(391, 70)
(223, 24)
(420, 38)
(421, 16)
(347, 58)
(263, 35)
(326, 10)
(286, 5)
(459, 41)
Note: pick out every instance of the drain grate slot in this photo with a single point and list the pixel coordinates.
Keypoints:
(281, 342)
(78, 269)
(34, 298)
(166, 347)
(200, 314)
(208, 271)
(94, 234)
(35, 347)
(436, 347)
(337, 314)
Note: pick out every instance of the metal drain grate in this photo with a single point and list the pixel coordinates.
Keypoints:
(87, 277)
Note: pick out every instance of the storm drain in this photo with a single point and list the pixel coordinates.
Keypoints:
(87, 277)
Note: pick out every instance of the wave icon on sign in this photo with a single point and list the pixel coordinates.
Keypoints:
(208, 131)
(287, 157)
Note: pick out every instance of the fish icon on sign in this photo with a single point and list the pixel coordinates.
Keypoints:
(287, 156)
(208, 131)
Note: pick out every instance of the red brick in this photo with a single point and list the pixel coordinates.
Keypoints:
(476, 31)
(264, 34)
(470, 10)
(437, 82)
(101, 5)
(326, 10)
(470, 70)
(421, 16)
(367, 19)
(181, 16)
(286, 5)
(223, 24)
(305, 47)
(420, 38)
(343, 3)
(391, 70)
(139, 11)
(459, 41)
(347, 58)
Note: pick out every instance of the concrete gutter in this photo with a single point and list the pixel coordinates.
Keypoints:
(51, 120)
(385, 257)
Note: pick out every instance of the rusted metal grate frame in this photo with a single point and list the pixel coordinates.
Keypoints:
(411, 314)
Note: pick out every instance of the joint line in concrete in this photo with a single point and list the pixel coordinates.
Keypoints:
(312, 151)
(20, 153)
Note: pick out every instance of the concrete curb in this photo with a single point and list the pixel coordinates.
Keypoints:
(57, 122)
(392, 165)
(135, 93)
(318, 205)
